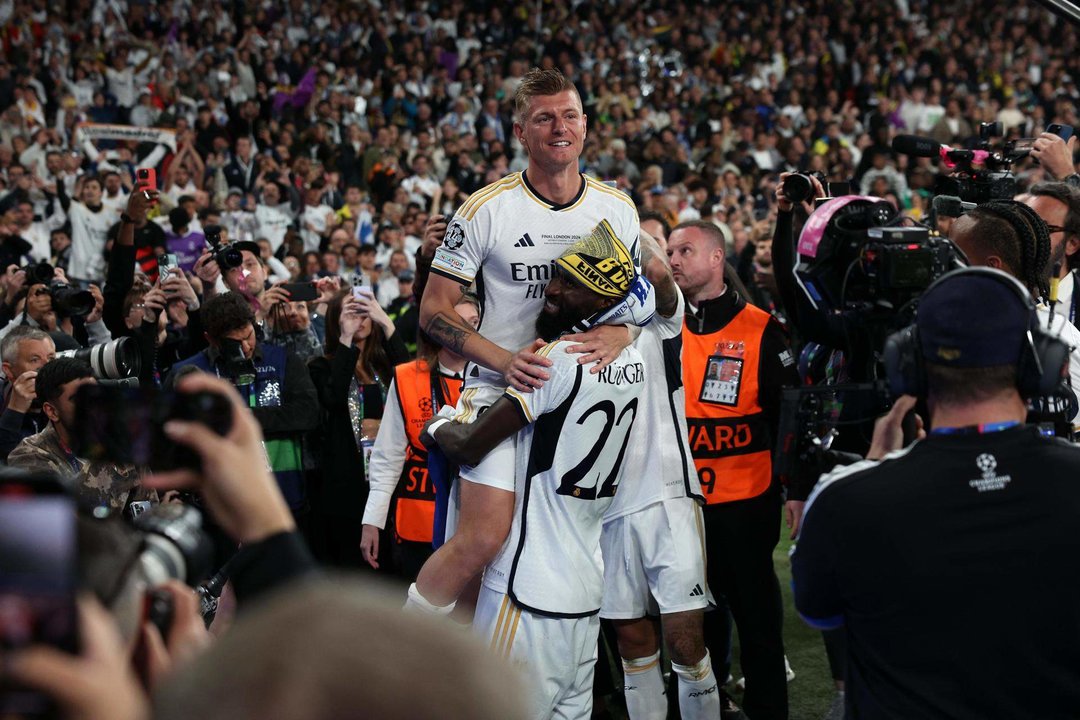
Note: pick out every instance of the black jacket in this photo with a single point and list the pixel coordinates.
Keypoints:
(340, 486)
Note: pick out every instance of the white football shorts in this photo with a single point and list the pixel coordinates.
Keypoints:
(654, 561)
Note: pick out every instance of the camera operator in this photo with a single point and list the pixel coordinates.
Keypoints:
(934, 546)
(274, 381)
(99, 484)
(23, 351)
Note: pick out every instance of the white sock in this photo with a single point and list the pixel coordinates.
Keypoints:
(644, 688)
(699, 696)
(417, 603)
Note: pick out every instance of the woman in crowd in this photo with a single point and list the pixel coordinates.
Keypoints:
(352, 378)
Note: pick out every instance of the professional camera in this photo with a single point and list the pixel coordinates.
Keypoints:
(992, 180)
(175, 547)
(68, 301)
(113, 360)
(226, 256)
(236, 366)
(38, 273)
(852, 260)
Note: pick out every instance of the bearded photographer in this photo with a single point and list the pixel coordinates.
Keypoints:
(970, 524)
(274, 381)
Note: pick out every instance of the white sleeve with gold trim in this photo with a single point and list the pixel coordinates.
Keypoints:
(464, 248)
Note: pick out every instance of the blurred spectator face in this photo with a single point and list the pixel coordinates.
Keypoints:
(271, 194)
(763, 252)
(182, 176)
(553, 131)
(29, 355)
(293, 266)
(243, 149)
(398, 263)
(59, 240)
(265, 251)
(91, 192)
(53, 163)
(311, 264)
(331, 262)
(405, 288)
(112, 184)
(338, 239)
(367, 259)
(24, 214)
(250, 278)
(353, 195)
(350, 256)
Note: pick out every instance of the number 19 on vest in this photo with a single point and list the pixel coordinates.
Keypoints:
(723, 373)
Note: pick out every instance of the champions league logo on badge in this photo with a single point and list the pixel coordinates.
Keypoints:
(455, 236)
(990, 480)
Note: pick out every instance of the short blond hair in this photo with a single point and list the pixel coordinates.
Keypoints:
(338, 648)
(539, 82)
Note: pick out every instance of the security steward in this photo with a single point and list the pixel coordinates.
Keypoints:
(947, 563)
(735, 364)
(398, 472)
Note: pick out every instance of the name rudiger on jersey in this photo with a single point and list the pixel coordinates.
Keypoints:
(622, 374)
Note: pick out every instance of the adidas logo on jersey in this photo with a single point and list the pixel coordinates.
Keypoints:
(525, 241)
(697, 591)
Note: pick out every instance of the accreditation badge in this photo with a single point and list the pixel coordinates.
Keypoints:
(723, 374)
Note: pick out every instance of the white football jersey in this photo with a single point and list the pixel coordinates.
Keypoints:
(571, 460)
(659, 450)
(89, 231)
(506, 238)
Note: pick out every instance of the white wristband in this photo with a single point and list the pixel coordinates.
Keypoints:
(436, 425)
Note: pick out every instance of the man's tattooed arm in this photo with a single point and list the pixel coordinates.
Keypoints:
(449, 334)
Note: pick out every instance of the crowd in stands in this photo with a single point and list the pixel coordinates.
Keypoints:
(288, 123)
(329, 143)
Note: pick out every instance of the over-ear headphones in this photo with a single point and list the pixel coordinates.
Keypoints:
(1039, 369)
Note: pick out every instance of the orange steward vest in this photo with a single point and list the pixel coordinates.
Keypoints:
(729, 438)
(414, 516)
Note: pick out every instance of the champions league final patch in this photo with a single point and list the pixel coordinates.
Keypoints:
(600, 262)
(455, 236)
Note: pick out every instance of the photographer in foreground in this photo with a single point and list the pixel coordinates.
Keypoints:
(929, 546)
(242, 675)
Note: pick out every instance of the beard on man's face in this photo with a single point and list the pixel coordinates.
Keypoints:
(550, 326)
